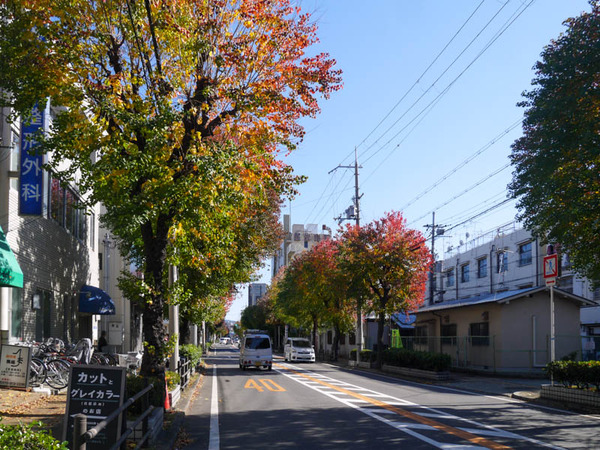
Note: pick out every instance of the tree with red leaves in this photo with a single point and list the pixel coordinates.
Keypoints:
(388, 261)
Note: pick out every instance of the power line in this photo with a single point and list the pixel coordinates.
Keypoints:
(462, 164)
(470, 188)
(431, 86)
(422, 74)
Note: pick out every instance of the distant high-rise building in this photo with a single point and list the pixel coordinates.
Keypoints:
(255, 292)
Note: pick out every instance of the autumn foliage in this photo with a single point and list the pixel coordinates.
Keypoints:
(172, 115)
(382, 266)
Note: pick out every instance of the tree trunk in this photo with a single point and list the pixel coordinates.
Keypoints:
(336, 343)
(184, 331)
(380, 325)
(314, 332)
(155, 335)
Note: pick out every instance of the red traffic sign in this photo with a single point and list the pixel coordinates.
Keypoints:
(551, 266)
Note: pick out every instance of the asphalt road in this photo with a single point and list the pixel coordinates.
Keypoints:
(312, 406)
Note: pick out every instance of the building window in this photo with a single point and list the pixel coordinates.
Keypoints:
(482, 268)
(566, 284)
(597, 294)
(479, 333)
(450, 278)
(92, 231)
(525, 254)
(448, 334)
(352, 338)
(421, 335)
(502, 262)
(329, 337)
(16, 313)
(464, 273)
(342, 339)
(67, 210)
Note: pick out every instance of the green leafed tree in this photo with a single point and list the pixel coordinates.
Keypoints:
(557, 160)
(172, 114)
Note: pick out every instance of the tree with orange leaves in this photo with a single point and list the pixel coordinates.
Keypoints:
(389, 262)
(173, 113)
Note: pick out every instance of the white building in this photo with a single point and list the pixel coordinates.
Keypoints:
(298, 238)
(507, 259)
(53, 241)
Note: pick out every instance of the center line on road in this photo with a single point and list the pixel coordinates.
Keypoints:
(473, 438)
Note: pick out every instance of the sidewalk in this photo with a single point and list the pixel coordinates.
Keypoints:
(26, 407)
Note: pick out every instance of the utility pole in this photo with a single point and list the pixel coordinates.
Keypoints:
(356, 217)
(435, 230)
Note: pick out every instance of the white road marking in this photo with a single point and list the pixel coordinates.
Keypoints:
(407, 428)
(214, 440)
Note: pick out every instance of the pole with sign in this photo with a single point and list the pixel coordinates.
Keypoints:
(550, 274)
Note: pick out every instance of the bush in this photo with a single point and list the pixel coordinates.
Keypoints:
(156, 396)
(400, 357)
(173, 379)
(24, 436)
(192, 353)
(582, 374)
(366, 355)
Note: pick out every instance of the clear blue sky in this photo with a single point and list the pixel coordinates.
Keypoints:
(429, 101)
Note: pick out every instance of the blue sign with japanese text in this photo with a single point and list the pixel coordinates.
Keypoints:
(31, 186)
(96, 391)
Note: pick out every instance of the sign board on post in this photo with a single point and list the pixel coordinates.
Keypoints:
(96, 391)
(550, 269)
(14, 366)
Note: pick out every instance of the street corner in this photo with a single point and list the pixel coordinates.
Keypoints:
(527, 396)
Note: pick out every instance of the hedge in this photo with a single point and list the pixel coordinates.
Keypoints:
(192, 353)
(400, 357)
(581, 374)
(366, 355)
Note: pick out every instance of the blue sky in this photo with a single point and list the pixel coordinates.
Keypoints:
(430, 102)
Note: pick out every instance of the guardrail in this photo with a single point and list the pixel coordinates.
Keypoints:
(81, 436)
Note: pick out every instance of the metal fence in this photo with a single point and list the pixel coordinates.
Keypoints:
(489, 353)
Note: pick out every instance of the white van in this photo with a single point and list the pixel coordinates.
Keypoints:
(256, 351)
(298, 349)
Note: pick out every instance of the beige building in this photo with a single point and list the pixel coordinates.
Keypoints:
(490, 307)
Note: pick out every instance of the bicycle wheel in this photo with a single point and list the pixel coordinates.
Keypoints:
(112, 359)
(98, 359)
(37, 372)
(57, 375)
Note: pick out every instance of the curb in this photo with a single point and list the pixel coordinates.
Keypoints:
(168, 437)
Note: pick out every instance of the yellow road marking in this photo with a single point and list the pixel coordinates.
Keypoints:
(271, 385)
(266, 382)
(251, 384)
(402, 412)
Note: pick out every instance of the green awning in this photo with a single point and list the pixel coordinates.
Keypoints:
(10, 272)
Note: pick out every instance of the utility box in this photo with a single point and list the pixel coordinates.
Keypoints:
(116, 333)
